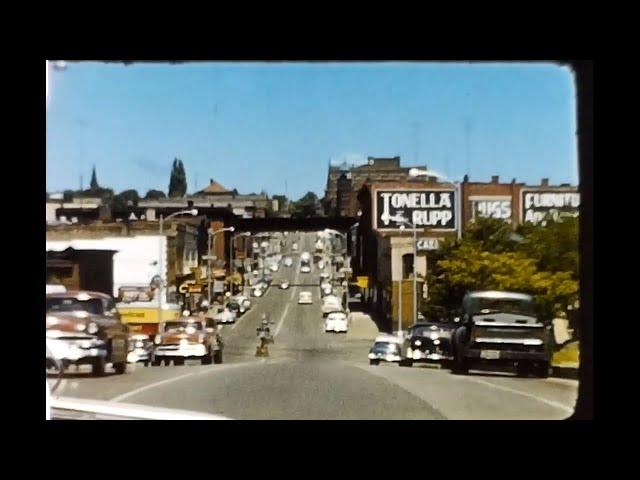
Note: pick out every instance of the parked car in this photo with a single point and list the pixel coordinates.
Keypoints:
(239, 304)
(288, 262)
(336, 321)
(140, 349)
(385, 348)
(84, 327)
(284, 285)
(427, 342)
(501, 329)
(188, 337)
(305, 298)
(321, 265)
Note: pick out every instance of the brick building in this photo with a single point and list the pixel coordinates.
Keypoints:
(344, 181)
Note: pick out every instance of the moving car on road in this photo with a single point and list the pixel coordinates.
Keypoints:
(239, 304)
(140, 349)
(284, 285)
(84, 328)
(222, 315)
(331, 303)
(336, 322)
(294, 247)
(288, 261)
(386, 348)
(326, 289)
(501, 328)
(305, 298)
(427, 342)
(188, 337)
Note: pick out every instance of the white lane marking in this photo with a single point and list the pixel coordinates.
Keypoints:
(281, 322)
(552, 403)
(150, 386)
(563, 381)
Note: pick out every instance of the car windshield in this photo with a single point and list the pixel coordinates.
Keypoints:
(385, 347)
(481, 305)
(93, 305)
(339, 198)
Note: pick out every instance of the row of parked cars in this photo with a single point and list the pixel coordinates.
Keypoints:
(495, 329)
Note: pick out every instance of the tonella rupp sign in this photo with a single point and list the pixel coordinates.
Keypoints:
(432, 209)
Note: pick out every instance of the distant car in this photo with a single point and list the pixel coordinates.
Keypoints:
(188, 337)
(386, 348)
(222, 315)
(288, 262)
(325, 276)
(284, 285)
(140, 349)
(84, 327)
(336, 322)
(321, 265)
(257, 291)
(326, 289)
(305, 269)
(239, 304)
(305, 298)
(427, 342)
(274, 267)
(331, 303)
(294, 247)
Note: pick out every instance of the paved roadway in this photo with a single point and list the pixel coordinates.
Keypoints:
(311, 374)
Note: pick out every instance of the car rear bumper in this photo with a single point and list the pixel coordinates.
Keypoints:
(506, 355)
(196, 351)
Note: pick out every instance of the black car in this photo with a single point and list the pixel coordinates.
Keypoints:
(427, 342)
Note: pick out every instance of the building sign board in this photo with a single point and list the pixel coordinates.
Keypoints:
(540, 205)
(497, 206)
(423, 244)
(425, 208)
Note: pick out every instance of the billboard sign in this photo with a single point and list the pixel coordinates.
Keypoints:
(497, 206)
(540, 205)
(425, 208)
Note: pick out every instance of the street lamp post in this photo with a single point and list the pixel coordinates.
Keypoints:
(193, 212)
(415, 271)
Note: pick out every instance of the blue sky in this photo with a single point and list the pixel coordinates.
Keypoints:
(253, 126)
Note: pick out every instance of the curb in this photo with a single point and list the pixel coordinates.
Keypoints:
(569, 372)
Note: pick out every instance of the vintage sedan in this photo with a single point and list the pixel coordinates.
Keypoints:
(331, 303)
(84, 328)
(337, 322)
(140, 349)
(188, 338)
(386, 348)
(427, 342)
(222, 314)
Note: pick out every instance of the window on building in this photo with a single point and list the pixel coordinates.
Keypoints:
(407, 265)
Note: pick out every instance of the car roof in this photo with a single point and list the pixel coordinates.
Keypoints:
(498, 294)
(79, 293)
(387, 339)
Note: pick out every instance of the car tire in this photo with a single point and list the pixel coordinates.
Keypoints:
(98, 367)
(156, 362)
(523, 369)
(542, 370)
(178, 362)
(374, 362)
(167, 362)
(405, 363)
(217, 357)
(146, 364)
(206, 360)
(460, 365)
(120, 367)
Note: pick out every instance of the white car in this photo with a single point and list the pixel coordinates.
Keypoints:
(224, 315)
(326, 289)
(336, 322)
(244, 302)
(331, 303)
(325, 276)
(305, 298)
(305, 269)
(294, 247)
(257, 292)
(274, 267)
(321, 265)
(288, 262)
(284, 285)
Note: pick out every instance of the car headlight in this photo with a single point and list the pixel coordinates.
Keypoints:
(436, 342)
(157, 339)
(139, 344)
(417, 343)
(92, 328)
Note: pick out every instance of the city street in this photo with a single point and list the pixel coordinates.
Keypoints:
(311, 374)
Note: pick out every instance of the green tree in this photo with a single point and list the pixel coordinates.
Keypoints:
(127, 198)
(492, 234)
(177, 180)
(154, 195)
(306, 205)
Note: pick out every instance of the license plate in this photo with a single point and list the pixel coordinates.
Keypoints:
(490, 354)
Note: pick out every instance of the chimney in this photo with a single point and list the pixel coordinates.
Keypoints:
(495, 178)
(210, 180)
(465, 179)
(545, 182)
(513, 181)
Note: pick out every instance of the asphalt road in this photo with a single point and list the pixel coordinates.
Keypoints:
(311, 374)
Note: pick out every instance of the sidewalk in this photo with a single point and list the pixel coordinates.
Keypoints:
(362, 327)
